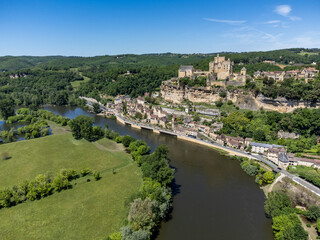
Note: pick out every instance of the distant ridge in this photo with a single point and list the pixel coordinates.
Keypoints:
(297, 55)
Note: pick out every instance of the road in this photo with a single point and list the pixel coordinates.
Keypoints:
(294, 178)
(257, 157)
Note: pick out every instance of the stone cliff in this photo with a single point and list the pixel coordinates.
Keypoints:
(241, 98)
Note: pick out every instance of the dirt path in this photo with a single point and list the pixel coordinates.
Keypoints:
(274, 183)
(310, 230)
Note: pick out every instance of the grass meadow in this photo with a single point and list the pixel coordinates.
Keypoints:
(90, 210)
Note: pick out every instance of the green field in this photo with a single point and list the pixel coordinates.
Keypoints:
(90, 210)
(76, 84)
(308, 53)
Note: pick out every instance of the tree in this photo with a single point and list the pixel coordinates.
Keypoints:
(96, 107)
(126, 140)
(81, 127)
(6, 108)
(268, 177)
(259, 135)
(235, 122)
(138, 115)
(268, 81)
(313, 213)
(141, 215)
(97, 133)
(62, 98)
(156, 166)
(276, 203)
(287, 227)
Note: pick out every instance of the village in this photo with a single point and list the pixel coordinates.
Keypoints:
(201, 122)
(193, 124)
(307, 74)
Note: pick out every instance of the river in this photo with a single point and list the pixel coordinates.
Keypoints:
(214, 198)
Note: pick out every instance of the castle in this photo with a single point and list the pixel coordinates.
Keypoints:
(219, 69)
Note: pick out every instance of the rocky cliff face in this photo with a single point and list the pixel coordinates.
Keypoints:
(241, 98)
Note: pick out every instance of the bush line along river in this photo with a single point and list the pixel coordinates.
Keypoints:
(214, 198)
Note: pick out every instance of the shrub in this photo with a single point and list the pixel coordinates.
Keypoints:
(97, 176)
(60, 182)
(115, 236)
(313, 213)
(118, 139)
(85, 172)
(69, 174)
(219, 103)
(318, 225)
(223, 94)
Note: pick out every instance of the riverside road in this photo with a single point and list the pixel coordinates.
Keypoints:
(275, 168)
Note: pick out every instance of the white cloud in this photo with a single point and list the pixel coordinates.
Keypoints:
(283, 10)
(294, 18)
(231, 22)
(272, 22)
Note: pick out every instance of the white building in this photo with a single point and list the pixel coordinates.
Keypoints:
(262, 147)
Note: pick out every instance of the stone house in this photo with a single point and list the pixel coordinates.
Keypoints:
(185, 71)
(286, 135)
(221, 139)
(247, 141)
(154, 119)
(141, 100)
(162, 121)
(118, 100)
(127, 98)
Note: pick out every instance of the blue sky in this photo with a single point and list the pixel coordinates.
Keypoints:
(89, 28)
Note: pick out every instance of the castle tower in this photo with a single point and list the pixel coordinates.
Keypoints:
(221, 67)
(243, 71)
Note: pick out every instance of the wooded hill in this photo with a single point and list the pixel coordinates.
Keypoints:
(284, 56)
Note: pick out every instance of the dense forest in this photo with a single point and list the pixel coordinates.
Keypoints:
(35, 87)
(33, 81)
(264, 126)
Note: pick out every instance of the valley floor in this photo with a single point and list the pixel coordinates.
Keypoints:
(90, 210)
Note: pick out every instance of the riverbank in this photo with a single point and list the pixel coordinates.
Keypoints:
(229, 151)
(83, 212)
(212, 177)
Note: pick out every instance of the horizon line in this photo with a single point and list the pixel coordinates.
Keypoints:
(160, 53)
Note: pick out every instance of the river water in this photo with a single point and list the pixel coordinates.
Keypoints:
(214, 198)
